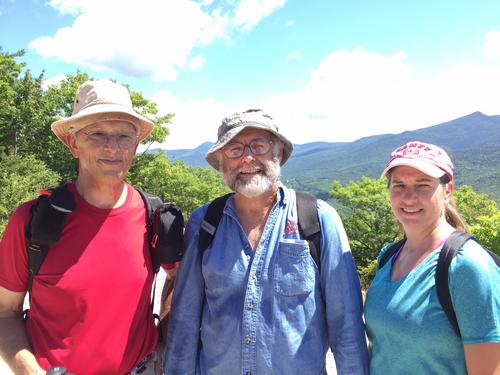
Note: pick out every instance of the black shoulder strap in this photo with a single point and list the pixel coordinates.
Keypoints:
(211, 221)
(47, 217)
(389, 253)
(308, 221)
(448, 252)
(151, 202)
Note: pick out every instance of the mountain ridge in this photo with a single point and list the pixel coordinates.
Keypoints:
(473, 142)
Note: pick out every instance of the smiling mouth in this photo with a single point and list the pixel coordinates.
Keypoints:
(110, 161)
(411, 210)
(253, 171)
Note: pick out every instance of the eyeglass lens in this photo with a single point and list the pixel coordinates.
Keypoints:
(259, 146)
(125, 140)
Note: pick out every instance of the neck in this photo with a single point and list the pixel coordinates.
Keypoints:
(426, 240)
(108, 195)
(256, 207)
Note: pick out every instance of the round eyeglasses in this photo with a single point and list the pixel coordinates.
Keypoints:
(99, 139)
(259, 146)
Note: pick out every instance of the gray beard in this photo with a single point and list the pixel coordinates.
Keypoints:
(258, 184)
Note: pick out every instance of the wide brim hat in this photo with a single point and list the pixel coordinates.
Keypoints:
(425, 157)
(253, 118)
(101, 100)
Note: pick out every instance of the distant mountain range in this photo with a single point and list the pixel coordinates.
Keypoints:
(473, 142)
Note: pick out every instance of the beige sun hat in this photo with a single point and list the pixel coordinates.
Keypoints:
(252, 118)
(101, 100)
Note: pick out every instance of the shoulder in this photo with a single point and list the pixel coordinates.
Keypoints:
(472, 258)
(327, 213)
(195, 221)
(20, 215)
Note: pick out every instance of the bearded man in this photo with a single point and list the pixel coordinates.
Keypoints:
(255, 301)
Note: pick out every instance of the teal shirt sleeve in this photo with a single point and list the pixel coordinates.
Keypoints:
(474, 281)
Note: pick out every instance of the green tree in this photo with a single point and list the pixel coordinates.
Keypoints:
(367, 217)
(487, 231)
(472, 205)
(482, 216)
(176, 182)
(21, 177)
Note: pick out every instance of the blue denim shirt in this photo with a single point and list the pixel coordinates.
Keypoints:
(236, 311)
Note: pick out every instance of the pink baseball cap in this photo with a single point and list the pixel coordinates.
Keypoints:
(427, 158)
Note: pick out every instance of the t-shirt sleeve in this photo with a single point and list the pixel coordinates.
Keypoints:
(13, 257)
(474, 279)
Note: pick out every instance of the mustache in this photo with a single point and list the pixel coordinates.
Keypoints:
(250, 168)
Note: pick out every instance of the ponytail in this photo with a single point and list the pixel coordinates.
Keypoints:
(452, 215)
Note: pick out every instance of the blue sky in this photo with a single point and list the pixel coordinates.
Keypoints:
(327, 70)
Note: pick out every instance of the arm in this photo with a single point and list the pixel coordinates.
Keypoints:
(342, 293)
(473, 281)
(482, 359)
(183, 340)
(166, 302)
(14, 346)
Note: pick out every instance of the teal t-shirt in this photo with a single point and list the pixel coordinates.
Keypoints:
(408, 329)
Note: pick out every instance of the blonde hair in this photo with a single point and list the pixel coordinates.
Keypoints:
(451, 213)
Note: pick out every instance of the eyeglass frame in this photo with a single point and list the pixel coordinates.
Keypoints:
(108, 137)
(249, 145)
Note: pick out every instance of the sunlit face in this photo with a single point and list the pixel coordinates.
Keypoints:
(417, 200)
(251, 175)
(105, 150)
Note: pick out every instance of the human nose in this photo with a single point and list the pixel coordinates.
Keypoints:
(247, 153)
(112, 142)
(409, 194)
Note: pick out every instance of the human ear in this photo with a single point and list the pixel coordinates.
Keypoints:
(448, 190)
(72, 145)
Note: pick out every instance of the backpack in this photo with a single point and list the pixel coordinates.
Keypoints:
(164, 221)
(449, 250)
(308, 223)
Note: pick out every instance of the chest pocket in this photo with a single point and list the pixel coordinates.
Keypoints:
(294, 269)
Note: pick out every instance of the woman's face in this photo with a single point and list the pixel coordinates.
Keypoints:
(417, 200)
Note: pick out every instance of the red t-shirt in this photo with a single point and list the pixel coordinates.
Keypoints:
(90, 310)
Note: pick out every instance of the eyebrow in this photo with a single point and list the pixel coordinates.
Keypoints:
(425, 179)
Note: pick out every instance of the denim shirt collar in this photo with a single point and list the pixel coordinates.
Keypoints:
(283, 196)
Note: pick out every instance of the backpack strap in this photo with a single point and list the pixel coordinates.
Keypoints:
(211, 221)
(151, 202)
(393, 248)
(448, 252)
(165, 225)
(47, 217)
(308, 222)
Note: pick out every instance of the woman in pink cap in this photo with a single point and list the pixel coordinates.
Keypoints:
(409, 331)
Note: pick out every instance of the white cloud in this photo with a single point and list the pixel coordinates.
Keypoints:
(289, 23)
(56, 80)
(71, 7)
(195, 121)
(293, 55)
(250, 12)
(148, 38)
(358, 93)
(352, 94)
(491, 45)
(196, 63)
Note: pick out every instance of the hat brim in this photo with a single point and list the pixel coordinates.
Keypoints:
(421, 165)
(101, 112)
(211, 156)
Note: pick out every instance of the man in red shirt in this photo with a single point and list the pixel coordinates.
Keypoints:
(90, 303)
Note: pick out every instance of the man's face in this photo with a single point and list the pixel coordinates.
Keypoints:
(105, 150)
(251, 175)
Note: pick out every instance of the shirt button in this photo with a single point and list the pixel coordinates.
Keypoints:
(248, 340)
(250, 305)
